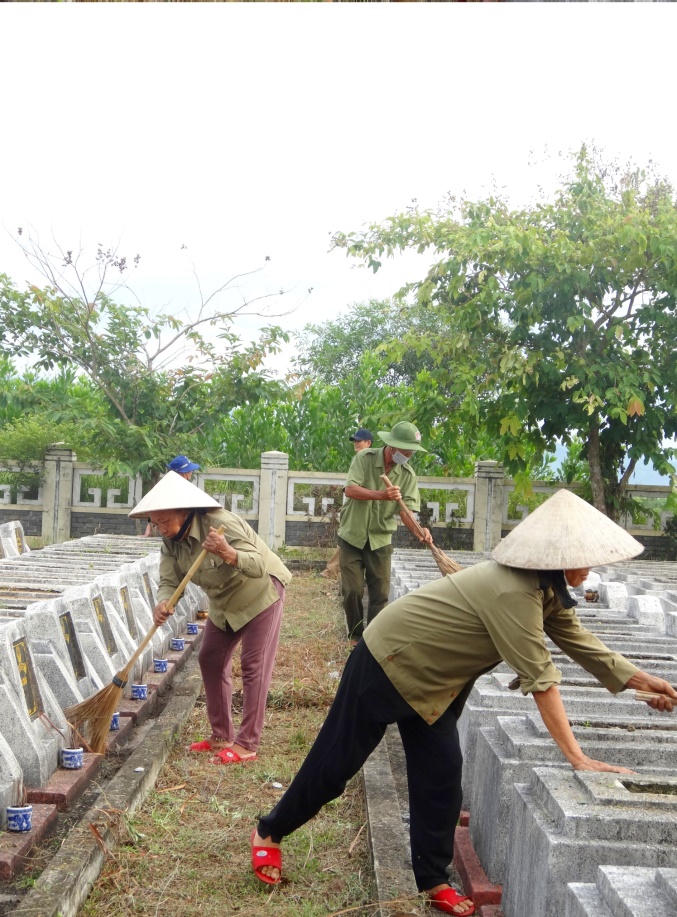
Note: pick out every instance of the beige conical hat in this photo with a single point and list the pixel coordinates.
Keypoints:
(173, 492)
(565, 533)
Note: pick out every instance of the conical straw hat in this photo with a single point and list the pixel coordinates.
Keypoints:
(173, 492)
(565, 533)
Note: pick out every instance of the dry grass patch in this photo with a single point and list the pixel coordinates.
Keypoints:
(186, 851)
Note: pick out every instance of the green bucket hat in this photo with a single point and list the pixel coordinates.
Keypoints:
(403, 435)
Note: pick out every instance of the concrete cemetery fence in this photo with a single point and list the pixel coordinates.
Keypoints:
(69, 499)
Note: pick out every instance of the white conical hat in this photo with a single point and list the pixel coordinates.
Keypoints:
(565, 533)
(173, 492)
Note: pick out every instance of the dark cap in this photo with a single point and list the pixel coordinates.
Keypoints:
(360, 435)
(181, 464)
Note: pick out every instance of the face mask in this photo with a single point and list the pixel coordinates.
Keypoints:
(399, 458)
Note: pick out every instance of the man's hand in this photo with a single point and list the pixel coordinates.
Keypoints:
(391, 493)
(216, 544)
(161, 613)
(427, 537)
(642, 681)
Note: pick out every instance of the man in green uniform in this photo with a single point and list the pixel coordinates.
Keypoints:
(367, 521)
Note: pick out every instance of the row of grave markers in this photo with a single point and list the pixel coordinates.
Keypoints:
(71, 616)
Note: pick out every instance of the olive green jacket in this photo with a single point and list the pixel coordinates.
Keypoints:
(372, 521)
(435, 641)
(236, 594)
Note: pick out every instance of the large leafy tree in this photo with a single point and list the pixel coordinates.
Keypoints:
(374, 360)
(163, 380)
(559, 318)
(331, 352)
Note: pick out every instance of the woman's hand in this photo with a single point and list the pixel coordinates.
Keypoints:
(642, 681)
(589, 764)
(161, 612)
(216, 544)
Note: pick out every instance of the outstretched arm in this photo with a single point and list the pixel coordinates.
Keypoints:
(554, 716)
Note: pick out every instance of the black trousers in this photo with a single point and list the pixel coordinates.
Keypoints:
(365, 704)
(356, 565)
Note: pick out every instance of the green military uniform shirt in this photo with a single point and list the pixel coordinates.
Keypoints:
(236, 594)
(434, 642)
(372, 521)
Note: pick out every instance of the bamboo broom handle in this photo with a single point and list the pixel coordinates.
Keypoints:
(403, 506)
(171, 602)
(648, 695)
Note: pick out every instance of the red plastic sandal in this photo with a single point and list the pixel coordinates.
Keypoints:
(265, 856)
(228, 756)
(446, 899)
(204, 745)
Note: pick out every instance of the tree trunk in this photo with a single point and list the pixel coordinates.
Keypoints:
(595, 463)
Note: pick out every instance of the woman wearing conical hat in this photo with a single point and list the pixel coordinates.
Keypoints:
(245, 584)
(419, 659)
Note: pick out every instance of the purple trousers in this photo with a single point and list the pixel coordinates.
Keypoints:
(259, 639)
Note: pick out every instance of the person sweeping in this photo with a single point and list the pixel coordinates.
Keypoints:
(419, 659)
(245, 583)
(367, 521)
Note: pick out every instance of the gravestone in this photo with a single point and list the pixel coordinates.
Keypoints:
(31, 719)
(508, 752)
(56, 648)
(565, 823)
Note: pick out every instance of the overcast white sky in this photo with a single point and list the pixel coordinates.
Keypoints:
(246, 130)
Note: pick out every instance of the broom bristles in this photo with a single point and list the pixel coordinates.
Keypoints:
(445, 563)
(96, 713)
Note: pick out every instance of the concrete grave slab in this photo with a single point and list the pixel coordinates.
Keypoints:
(96, 637)
(56, 648)
(14, 532)
(123, 604)
(491, 697)
(647, 609)
(31, 719)
(624, 891)
(142, 595)
(508, 752)
(11, 780)
(564, 824)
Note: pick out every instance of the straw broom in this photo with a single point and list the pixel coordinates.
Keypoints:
(97, 711)
(446, 564)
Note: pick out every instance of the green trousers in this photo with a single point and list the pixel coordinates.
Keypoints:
(358, 565)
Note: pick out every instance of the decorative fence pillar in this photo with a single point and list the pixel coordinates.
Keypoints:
(57, 489)
(273, 498)
(488, 505)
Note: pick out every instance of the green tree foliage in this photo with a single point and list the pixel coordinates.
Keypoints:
(331, 352)
(559, 318)
(378, 354)
(156, 383)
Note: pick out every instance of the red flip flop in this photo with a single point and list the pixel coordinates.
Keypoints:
(204, 745)
(446, 899)
(228, 756)
(265, 856)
